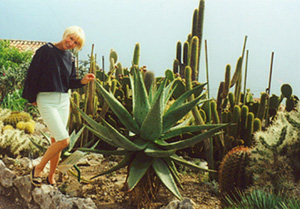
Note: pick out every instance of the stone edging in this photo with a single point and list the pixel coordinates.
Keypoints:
(24, 193)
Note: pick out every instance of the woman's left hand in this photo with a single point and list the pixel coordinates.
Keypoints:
(87, 78)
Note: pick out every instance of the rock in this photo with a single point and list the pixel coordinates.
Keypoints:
(187, 203)
(24, 187)
(173, 204)
(7, 177)
(41, 196)
(85, 203)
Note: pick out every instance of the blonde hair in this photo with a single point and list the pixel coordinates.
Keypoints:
(78, 33)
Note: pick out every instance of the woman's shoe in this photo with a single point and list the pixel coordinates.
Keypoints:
(48, 182)
(36, 181)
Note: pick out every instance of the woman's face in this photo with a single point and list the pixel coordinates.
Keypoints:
(70, 42)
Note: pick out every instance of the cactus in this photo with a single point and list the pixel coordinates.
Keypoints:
(149, 80)
(194, 58)
(286, 90)
(256, 125)
(14, 142)
(136, 55)
(147, 153)
(226, 82)
(249, 130)
(176, 66)
(16, 117)
(236, 116)
(262, 106)
(178, 52)
(233, 174)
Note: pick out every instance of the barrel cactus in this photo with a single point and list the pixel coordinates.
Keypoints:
(147, 151)
(233, 174)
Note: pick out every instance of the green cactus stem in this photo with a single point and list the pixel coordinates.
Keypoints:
(231, 100)
(178, 51)
(136, 54)
(249, 131)
(262, 106)
(226, 82)
(194, 59)
(186, 46)
(176, 66)
(244, 118)
(256, 125)
(236, 115)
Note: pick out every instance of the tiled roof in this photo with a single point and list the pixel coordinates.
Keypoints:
(26, 45)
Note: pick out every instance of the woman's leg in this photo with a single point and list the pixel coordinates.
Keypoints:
(53, 165)
(51, 154)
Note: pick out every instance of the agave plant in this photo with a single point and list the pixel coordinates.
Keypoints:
(147, 149)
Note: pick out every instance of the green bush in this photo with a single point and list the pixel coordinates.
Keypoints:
(13, 68)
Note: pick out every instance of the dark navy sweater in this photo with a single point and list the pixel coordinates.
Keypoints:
(51, 70)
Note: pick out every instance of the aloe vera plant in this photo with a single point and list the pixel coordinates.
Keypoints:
(147, 148)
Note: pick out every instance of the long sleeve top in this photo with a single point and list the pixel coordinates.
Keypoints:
(51, 70)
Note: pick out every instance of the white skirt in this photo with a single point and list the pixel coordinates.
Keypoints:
(54, 108)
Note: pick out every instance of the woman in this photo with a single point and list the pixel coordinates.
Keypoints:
(50, 75)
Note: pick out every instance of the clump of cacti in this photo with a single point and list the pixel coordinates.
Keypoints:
(17, 120)
(273, 155)
(14, 142)
(15, 117)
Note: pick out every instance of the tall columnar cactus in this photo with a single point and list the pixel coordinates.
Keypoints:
(192, 46)
(233, 174)
(194, 58)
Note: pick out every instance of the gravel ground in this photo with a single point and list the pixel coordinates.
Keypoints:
(6, 203)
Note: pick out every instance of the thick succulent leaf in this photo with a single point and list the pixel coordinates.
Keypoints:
(125, 162)
(189, 118)
(160, 90)
(195, 139)
(97, 129)
(105, 152)
(152, 152)
(120, 111)
(184, 96)
(162, 171)
(174, 171)
(187, 129)
(121, 140)
(172, 117)
(184, 162)
(140, 100)
(151, 128)
(73, 138)
(102, 135)
(138, 168)
(168, 91)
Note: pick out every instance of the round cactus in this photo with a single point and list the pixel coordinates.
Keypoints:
(16, 117)
(233, 175)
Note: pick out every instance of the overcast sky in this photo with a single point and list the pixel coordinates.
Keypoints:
(270, 25)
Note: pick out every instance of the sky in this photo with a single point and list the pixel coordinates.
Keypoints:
(271, 26)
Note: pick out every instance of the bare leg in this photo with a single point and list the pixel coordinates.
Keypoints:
(52, 153)
(53, 165)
